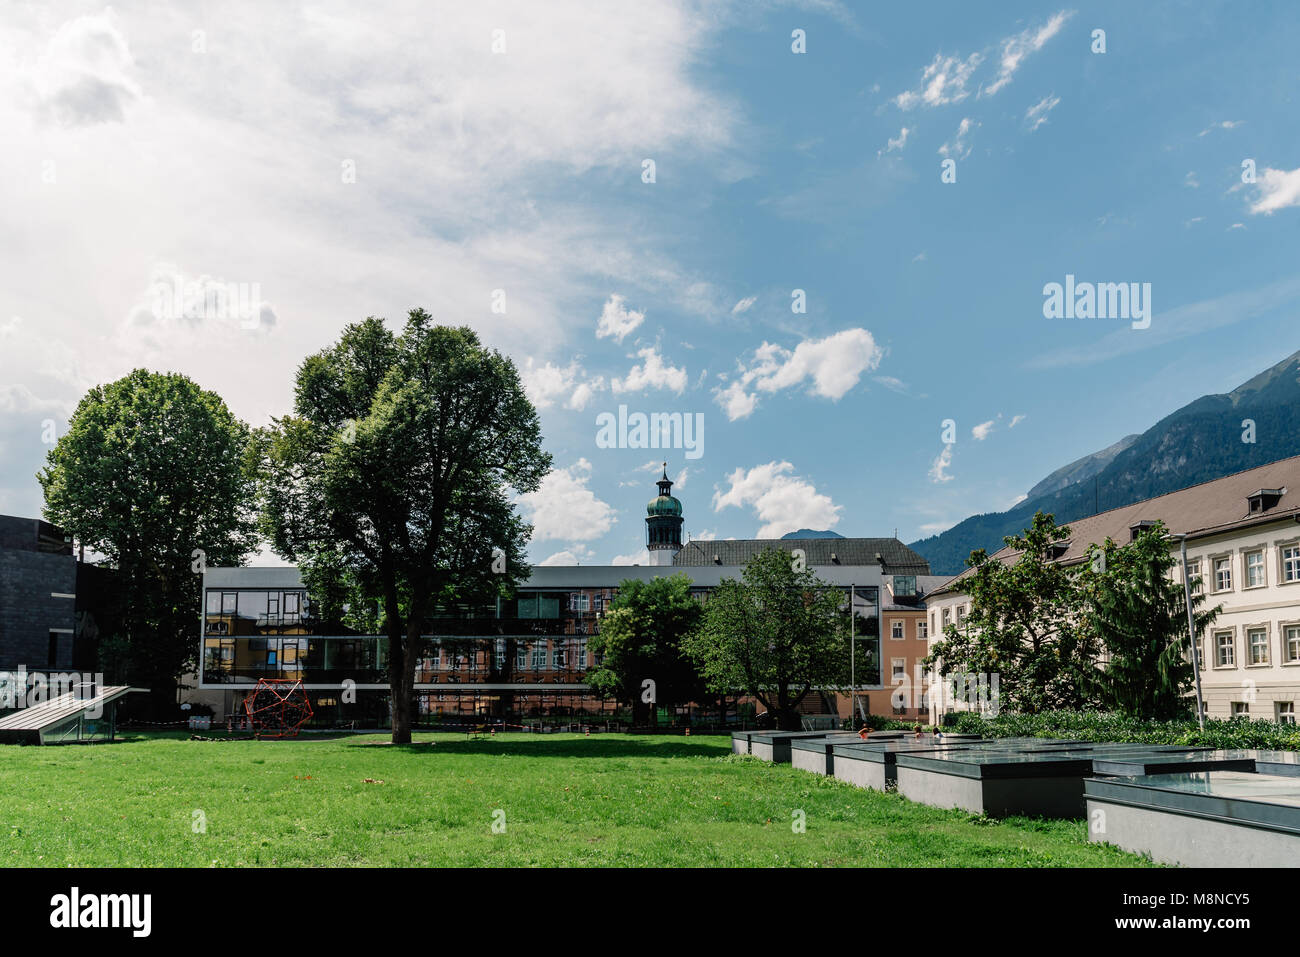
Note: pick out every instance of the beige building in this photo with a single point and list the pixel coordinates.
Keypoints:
(1243, 542)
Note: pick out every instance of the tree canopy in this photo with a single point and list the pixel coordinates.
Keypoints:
(1138, 613)
(640, 640)
(392, 479)
(1025, 626)
(151, 470)
(775, 633)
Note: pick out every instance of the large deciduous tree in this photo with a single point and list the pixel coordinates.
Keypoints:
(775, 634)
(394, 475)
(1138, 613)
(151, 469)
(1025, 626)
(640, 640)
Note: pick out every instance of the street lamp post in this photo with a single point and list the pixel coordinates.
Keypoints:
(1191, 633)
(853, 641)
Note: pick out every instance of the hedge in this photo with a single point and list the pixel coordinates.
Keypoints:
(1099, 726)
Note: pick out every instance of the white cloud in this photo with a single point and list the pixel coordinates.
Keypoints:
(981, 431)
(943, 82)
(547, 383)
(889, 382)
(132, 126)
(1225, 125)
(569, 556)
(743, 305)
(834, 365)
(958, 148)
(634, 558)
(1191, 180)
(564, 508)
(1036, 115)
(1016, 48)
(735, 401)
(83, 77)
(1277, 189)
(1016, 420)
(652, 373)
(897, 143)
(616, 320)
(939, 467)
(783, 502)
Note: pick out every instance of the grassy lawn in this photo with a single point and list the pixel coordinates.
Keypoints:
(567, 800)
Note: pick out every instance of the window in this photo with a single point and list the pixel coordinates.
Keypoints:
(946, 616)
(521, 656)
(896, 630)
(1291, 649)
(1240, 709)
(579, 601)
(580, 655)
(923, 629)
(1291, 563)
(1284, 712)
(1223, 574)
(557, 657)
(905, 585)
(1255, 569)
(961, 613)
(499, 655)
(897, 667)
(539, 655)
(1257, 638)
(1224, 652)
(1194, 575)
(435, 659)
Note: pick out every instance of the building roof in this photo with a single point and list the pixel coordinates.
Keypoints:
(33, 535)
(889, 552)
(1199, 511)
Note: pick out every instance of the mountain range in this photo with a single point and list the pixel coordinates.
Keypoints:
(1205, 439)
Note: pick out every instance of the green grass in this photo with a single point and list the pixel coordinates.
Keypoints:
(607, 800)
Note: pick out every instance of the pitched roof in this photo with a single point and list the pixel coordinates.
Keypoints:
(894, 555)
(1198, 511)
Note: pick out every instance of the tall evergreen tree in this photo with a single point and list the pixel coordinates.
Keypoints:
(1138, 613)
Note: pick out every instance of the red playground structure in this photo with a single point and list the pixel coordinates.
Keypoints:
(277, 708)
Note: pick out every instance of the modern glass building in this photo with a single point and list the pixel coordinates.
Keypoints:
(525, 657)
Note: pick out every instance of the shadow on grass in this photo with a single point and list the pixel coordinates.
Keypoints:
(539, 746)
(604, 746)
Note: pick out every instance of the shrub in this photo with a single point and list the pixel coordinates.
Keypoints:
(1101, 726)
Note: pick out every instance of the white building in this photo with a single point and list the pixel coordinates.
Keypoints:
(1243, 542)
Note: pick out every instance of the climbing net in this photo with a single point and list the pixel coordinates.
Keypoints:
(277, 708)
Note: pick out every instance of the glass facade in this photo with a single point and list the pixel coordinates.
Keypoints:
(527, 656)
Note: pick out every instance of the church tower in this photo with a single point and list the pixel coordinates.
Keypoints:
(664, 524)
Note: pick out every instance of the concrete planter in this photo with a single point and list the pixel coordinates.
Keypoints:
(1200, 819)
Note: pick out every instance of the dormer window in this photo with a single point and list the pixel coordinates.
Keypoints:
(1137, 528)
(1056, 549)
(1264, 499)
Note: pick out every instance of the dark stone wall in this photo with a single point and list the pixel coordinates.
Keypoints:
(32, 566)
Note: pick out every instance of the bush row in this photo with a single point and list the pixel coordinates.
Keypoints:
(1100, 726)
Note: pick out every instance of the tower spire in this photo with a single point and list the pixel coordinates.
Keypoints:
(664, 523)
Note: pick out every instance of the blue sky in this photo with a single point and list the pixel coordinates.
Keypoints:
(150, 144)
